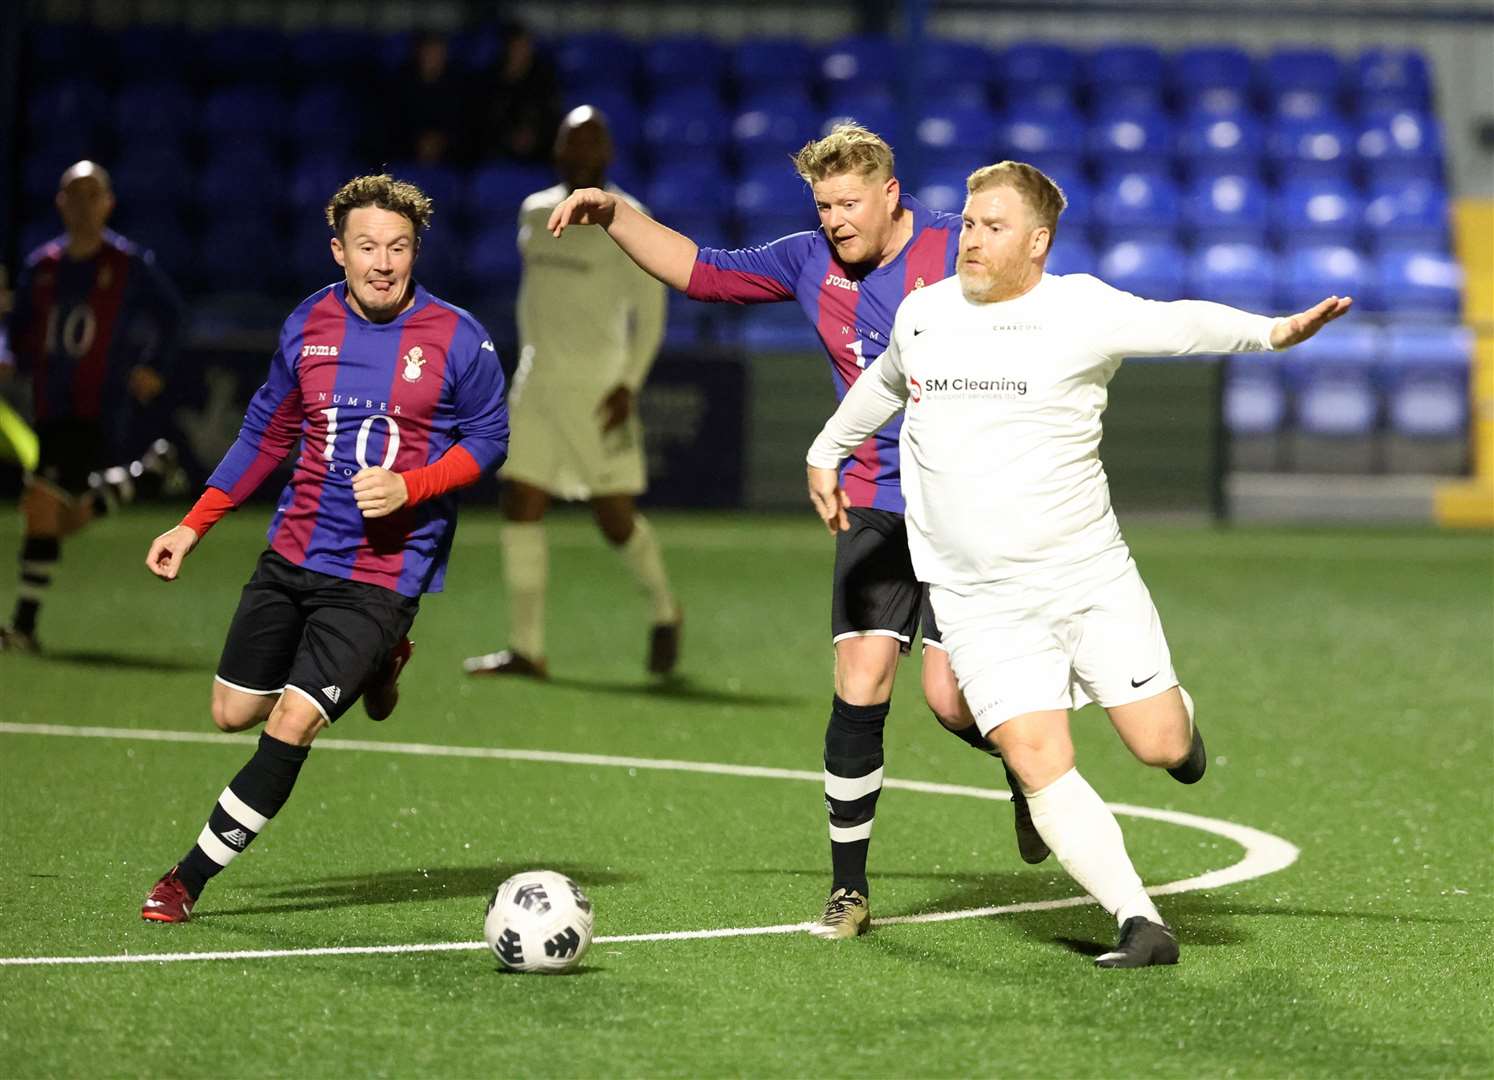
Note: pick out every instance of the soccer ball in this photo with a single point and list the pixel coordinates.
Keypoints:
(538, 921)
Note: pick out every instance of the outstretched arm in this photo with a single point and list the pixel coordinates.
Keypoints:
(662, 252)
(1295, 329)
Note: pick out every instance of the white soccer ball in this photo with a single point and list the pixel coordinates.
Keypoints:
(538, 921)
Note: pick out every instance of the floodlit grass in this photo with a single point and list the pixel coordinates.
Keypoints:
(1344, 682)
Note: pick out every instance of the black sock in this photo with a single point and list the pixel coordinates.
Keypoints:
(39, 555)
(971, 736)
(853, 767)
(254, 796)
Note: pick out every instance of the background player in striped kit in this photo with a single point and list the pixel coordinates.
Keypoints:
(874, 246)
(397, 400)
(1002, 377)
(94, 326)
(590, 323)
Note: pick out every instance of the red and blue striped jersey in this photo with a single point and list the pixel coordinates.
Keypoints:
(80, 326)
(850, 308)
(359, 394)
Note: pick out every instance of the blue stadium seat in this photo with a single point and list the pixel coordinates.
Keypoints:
(1071, 255)
(675, 62)
(235, 255)
(239, 176)
(1122, 137)
(943, 189)
(1334, 381)
(768, 129)
(312, 181)
(1317, 148)
(151, 110)
(150, 177)
(692, 124)
(477, 50)
(441, 183)
(777, 328)
(162, 233)
(771, 63)
(1392, 78)
(873, 114)
(1315, 212)
(1425, 378)
(1147, 268)
(688, 188)
(1137, 206)
(321, 116)
(494, 192)
(596, 59)
(1411, 282)
(954, 72)
(440, 267)
(708, 229)
(1126, 75)
(764, 228)
(73, 104)
(1238, 274)
(1201, 68)
(1078, 214)
(957, 137)
(863, 62)
(1255, 398)
(336, 52)
(492, 259)
(240, 109)
(1289, 69)
(1213, 143)
(1406, 215)
(1401, 146)
(1308, 274)
(239, 54)
(1038, 63)
(151, 50)
(310, 256)
(772, 190)
(1221, 209)
(1055, 132)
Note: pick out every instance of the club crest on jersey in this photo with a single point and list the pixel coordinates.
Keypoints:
(414, 361)
(918, 282)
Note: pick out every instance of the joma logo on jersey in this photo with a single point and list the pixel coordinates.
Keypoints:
(318, 350)
(839, 282)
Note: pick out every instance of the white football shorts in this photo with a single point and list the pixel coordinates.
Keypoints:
(556, 444)
(1018, 648)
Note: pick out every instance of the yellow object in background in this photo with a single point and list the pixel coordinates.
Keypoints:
(1470, 503)
(17, 441)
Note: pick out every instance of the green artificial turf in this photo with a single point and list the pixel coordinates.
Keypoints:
(1344, 682)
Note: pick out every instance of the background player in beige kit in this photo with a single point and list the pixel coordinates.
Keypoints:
(1002, 373)
(590, 323)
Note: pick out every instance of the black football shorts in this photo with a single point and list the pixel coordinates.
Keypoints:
(69, 450)
(875, 591)
(320, 636)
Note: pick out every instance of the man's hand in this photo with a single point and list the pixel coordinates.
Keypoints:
(379, 492)
(615, 408)
(584, 206)
(145, 383)
(1295, 329)
(168, 550)
(829, 498)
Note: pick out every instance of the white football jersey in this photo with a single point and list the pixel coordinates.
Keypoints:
(1001, 435)
(589, 318)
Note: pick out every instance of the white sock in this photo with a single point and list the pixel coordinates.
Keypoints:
(526, 568)
(1083, 833)
(645, 561)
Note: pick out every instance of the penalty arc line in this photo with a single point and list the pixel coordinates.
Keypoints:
(1264, 853)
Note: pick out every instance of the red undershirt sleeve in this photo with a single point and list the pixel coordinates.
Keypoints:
(207, 511)
(454, 469)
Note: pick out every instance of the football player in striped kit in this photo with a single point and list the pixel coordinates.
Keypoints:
(875, 245)
(94, 327)
(1001, 376)
(397, 399)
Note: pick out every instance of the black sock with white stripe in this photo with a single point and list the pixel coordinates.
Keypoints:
(853, 780)
(39, 556)
(254, 796)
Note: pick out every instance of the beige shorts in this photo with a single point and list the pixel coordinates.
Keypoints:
(558, 445)
(1022, 648)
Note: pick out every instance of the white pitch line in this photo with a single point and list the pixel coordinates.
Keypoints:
(1264, 853)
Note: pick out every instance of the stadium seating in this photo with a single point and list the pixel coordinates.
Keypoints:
(1030, 64)
(771, 63)
(1126, 136)
(1229, 208)
(866, 62)
(595, 60)
(1311, 148)
(1333, 380)
(495, 192)
(1400, 146)
(956, 136)
(1241, 275)
(1201, 70)
(676, 62)
(766, 130)
(1137, 205)
(1390, 79)
(1316, 212)
(1426, 380)
(1407, 215)
(1147, 268)
(1308, 274)
(771, 190)
(1129, 76)
(1214, 143)
(1421, 283)
(954, 73)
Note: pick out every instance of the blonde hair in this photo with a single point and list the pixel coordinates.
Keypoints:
(1043, 197)
(384, 192)
(848, 148)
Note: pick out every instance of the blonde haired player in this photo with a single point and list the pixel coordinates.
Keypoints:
(590, 323)
(1001, 374)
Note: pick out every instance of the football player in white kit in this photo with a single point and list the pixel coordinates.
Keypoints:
(1002, 373)
(590, 323)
